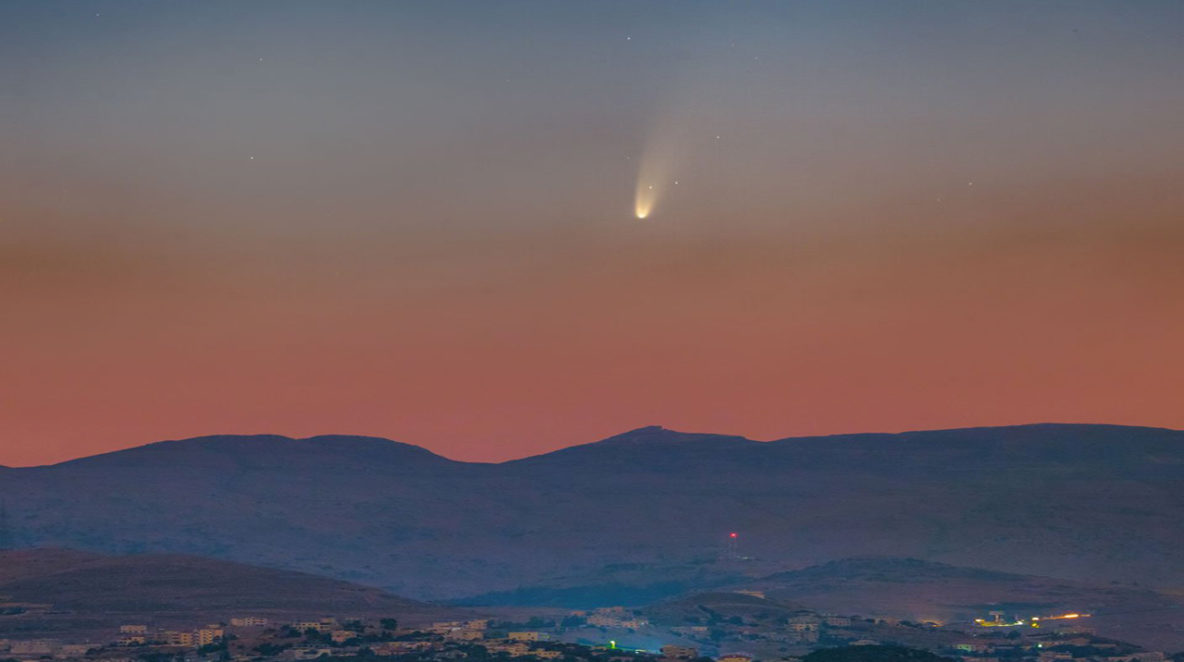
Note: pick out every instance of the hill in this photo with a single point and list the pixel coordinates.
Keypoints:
(67, 590)
(915, 590)
(648, 511)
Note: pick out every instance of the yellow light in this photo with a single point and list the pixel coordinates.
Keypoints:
(643, 203)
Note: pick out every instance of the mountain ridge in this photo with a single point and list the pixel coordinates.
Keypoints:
(646, 508)
(645, 435)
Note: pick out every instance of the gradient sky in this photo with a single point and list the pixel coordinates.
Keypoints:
(416, 220)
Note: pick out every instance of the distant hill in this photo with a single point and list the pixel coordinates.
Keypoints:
(701, 608)
(911, 589)
(647, 511)
(81, 591)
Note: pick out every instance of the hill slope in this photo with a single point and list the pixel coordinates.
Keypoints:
(81, 591)
(910, 589)
(651, 507)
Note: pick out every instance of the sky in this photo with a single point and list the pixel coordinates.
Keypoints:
(420, 220)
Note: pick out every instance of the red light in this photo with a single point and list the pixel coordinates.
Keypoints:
(733, 535)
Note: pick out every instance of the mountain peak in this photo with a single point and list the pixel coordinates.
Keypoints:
(656, 434)
(652, 443)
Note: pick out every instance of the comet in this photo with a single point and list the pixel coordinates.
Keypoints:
(650, 180)
(643, 202)
(663, 149)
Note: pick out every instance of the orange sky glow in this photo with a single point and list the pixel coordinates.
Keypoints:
(885, 241)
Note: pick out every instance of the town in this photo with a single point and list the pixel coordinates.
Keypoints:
(730, 630)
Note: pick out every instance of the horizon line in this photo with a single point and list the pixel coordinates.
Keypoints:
(586, 443)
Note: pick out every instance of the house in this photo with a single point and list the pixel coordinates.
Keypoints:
(465, 634)
(323, 625)
(527, 636)
(672, 652)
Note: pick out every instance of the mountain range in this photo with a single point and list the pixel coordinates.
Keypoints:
(647, 513)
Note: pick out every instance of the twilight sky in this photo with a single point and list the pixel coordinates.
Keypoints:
(417, 220)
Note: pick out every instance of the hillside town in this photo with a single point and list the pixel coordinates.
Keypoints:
(613, 634)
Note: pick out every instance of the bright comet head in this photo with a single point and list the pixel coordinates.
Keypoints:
(643, 201)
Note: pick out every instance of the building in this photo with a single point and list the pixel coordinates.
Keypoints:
(323, 625)
(673, 652)
(174, 638)
(444, 627)
(527, 636)
(133, 629)
(208, 635)
(249, 622)
(615, 617)
(133, 635)
(512, 648)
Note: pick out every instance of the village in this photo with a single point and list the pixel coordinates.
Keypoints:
(613, 634)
